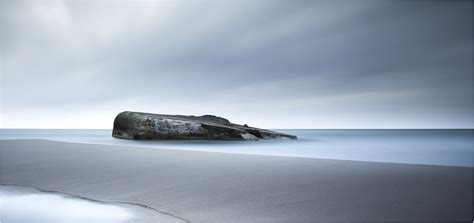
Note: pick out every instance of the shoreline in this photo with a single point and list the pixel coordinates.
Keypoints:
(226, 187)
(440, 147)
(140, 212)
(236, 153)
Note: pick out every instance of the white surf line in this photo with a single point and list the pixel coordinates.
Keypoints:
(100, 201)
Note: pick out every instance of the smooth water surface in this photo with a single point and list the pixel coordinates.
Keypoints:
(437, 147)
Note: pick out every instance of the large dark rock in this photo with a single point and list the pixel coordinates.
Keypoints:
(137, 125)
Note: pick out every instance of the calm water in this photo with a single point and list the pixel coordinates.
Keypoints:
(438, 147)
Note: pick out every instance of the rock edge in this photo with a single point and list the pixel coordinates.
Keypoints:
(139, 125)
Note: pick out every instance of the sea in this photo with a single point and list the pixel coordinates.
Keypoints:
(453, 147)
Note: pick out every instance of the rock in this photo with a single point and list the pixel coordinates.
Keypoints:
(137, 125)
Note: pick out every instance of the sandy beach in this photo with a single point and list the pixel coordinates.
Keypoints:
(190, 186)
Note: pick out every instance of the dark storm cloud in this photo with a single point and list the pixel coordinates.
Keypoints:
(277, 63)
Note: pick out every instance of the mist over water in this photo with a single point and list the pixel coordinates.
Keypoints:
(435, 147)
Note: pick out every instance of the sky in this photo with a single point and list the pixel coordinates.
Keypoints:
(270, 63)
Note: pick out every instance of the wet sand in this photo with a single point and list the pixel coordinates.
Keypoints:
(211, 187)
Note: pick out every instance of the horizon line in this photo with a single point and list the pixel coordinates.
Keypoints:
(471, 128)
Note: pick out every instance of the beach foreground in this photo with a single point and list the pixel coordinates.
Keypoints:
(191, 186)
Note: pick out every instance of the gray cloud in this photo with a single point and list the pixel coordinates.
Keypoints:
(300, 64)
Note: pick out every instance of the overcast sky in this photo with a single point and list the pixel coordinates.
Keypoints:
(271, 63)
